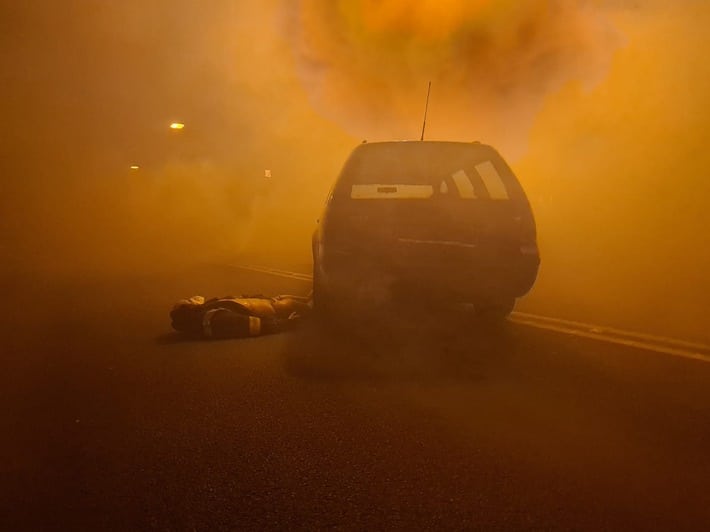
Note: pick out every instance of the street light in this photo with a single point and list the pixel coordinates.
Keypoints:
(177, 125)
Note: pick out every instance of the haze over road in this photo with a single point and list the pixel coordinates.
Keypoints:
(602, 109)
(111, 423)
(600, 106)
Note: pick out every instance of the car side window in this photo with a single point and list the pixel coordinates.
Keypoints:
(492, 180)
(460, 185)
(464, 186)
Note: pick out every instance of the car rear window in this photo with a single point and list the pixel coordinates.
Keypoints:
(425, 170)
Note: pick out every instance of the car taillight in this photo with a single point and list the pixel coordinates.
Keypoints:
(528, 239)
(529, 249)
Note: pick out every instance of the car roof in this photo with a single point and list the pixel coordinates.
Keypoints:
(425, 144)
(410, 142)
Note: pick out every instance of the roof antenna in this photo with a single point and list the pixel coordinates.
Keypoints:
(425, 110)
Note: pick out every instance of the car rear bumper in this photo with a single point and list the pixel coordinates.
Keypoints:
(474, 279)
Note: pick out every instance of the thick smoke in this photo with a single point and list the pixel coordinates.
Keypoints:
(365, 64)
(616, 177)
(89, 89)
(602, 106)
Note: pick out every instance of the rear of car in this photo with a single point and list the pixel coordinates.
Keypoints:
(444, 219)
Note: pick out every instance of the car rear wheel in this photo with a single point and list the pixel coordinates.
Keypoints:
(322, 298)
(497, 310)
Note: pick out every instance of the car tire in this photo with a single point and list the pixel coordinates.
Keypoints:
(322, 299)
(496, 310)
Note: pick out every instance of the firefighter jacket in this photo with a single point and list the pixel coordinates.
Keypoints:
(237, 317)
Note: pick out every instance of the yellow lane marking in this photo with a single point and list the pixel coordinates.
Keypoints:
(277, 273)
(668, 347)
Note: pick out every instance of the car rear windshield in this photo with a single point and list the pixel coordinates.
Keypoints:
(425, 170)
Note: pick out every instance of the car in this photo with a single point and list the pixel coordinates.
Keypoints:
(431, 220)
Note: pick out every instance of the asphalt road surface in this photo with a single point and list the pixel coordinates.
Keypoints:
(109, 421)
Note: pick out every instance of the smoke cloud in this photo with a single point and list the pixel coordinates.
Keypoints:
(602, 107)
(89, 90)
(365, 64)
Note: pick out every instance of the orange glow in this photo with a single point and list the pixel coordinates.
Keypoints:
(366, 64)
(428, 19)
(135, 167)
(601, 107)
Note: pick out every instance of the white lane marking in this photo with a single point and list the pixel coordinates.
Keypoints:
(658, 344)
